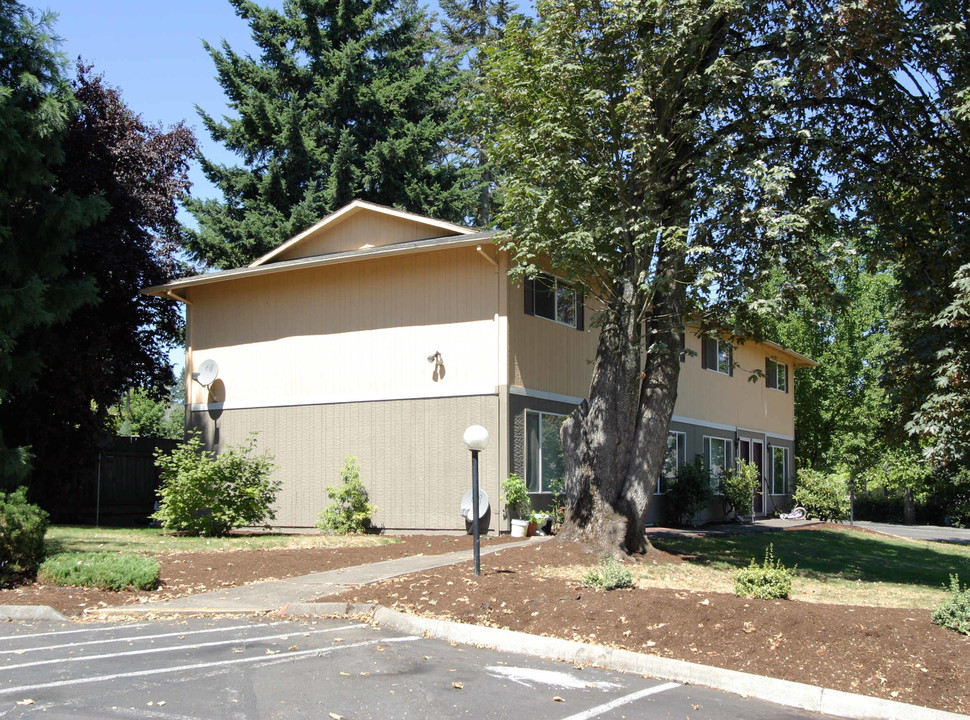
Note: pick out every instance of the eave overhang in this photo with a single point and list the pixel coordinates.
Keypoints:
(384, 251)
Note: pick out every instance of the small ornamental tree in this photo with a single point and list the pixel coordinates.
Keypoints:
(205, 494)
(738, 487)
(350, 509)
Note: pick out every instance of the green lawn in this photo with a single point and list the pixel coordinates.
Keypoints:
(827, 555)
(150, 541)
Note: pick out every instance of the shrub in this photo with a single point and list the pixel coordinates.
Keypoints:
(103, 570)
(22, 529)
(202, 494)
(689, 493)
(738, 487)
(954, 614)
(610, 575)
(349, 510)
(515, 496)
(823, 495)
(768, 581)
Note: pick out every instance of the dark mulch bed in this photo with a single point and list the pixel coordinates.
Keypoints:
(895, 654)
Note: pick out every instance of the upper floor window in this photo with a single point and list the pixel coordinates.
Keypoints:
(717, 355)
(554, 299)
(776, 375)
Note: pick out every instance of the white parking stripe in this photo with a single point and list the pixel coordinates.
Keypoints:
(101, 628)
(199, 666)
(193, 646)
(606, 707)
(133, 638)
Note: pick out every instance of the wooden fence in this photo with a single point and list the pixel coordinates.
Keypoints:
(127, 480)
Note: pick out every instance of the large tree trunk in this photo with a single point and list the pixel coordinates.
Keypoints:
(614, 444)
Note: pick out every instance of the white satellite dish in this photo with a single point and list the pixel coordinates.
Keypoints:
(208, 372)
(466, 505)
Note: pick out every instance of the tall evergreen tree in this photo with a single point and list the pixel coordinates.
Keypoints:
(468, 25)
(37, 224)
(347, 99)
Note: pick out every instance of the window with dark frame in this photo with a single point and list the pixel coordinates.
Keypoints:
(776, 375)
(717, 355)
(548, 297)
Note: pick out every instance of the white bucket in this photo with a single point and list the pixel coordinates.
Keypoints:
(519, 528)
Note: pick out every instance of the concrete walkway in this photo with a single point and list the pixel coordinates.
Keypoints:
(273, 595)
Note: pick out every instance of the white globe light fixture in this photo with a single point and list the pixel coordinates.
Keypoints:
(476, 438)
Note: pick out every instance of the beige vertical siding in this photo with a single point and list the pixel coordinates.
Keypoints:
(552, 358)
(736, 400)
(360, 230)
(360, 330)
(547, 356)
(411, 454)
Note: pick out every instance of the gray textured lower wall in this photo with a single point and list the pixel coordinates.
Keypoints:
(412, 457)
(657, 513)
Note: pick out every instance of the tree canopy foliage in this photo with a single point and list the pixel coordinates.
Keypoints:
(673, 157)
(38, 217)
(466, 27)
(347, 100)
(119, 339)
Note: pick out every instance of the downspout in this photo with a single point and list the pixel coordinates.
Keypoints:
(485, 255)
(173, 296)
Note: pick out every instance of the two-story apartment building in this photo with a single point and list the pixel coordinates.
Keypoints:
(383, 335)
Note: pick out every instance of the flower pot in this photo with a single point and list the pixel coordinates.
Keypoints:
(519, 528)
(531, 530)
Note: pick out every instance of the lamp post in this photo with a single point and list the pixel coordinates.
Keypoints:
(476, 439)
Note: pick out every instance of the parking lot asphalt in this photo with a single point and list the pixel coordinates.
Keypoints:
(289, 598)
(321, 668)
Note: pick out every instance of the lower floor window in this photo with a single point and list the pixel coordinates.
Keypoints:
(543, 450)
(675, 459)
(779, 470)
(718, 453)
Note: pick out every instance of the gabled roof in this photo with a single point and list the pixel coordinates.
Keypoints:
(437, 227)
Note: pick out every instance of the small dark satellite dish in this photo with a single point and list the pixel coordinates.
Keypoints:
(208, 372)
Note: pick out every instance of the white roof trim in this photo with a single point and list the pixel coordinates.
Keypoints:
(802, 361)
(353, 208)
(383, 251)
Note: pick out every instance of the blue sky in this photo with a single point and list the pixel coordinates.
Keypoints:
(152, 51)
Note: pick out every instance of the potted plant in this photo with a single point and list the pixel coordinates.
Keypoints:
(537, 522)
(518, 504)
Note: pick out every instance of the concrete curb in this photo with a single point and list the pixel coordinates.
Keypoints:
(30, 612)
(780, 692)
